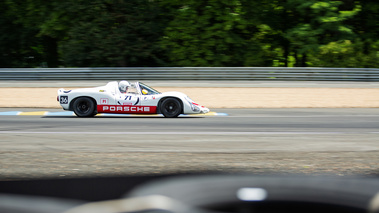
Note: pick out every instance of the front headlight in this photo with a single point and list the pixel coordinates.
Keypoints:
(193, 105)
(195, 108)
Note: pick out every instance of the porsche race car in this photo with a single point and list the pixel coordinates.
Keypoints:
(139, 99)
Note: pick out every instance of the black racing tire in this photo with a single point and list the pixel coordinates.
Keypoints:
(84, 107)
(171, 107)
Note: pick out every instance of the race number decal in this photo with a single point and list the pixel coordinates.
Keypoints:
(63, 100)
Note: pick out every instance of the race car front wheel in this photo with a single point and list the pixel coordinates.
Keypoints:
(171, 108)
(84, 107)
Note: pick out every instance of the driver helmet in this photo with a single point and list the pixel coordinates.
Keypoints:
(123, 86)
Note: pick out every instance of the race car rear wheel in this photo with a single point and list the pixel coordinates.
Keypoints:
(171, 108)
(84, 107)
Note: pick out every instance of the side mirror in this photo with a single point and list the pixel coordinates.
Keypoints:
(145, 92)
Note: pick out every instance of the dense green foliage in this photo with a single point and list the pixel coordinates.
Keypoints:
(114, 33)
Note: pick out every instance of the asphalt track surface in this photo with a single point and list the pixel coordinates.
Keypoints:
(276, 141)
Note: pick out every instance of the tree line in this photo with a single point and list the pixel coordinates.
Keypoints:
(193, 33)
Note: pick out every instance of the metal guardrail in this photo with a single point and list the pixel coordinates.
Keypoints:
(193, 73)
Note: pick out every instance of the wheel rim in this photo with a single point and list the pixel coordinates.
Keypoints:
(83, 107)
(171, 108)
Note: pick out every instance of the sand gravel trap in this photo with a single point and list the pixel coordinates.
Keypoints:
(224, 97)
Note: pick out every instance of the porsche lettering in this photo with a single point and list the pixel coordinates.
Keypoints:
(127, 109)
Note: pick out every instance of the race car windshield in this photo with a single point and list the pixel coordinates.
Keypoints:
(150, 91)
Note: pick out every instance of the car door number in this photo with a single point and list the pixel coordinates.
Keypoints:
(63, 100)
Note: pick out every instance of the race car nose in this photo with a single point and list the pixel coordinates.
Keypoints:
(205, 110)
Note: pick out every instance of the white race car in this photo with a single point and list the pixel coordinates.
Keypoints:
(135, 98)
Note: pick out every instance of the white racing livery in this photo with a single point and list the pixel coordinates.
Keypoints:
(127, 98)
